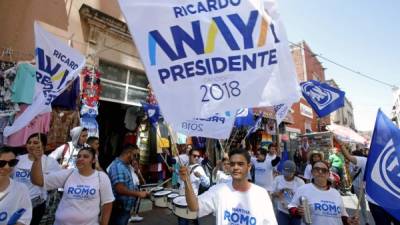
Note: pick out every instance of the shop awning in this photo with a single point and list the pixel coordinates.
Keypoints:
(346, 134)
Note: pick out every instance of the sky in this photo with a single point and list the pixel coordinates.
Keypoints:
(361, 34)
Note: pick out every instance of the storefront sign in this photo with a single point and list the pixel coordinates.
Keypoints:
(57, 66)
(306, 111)
(208, 56)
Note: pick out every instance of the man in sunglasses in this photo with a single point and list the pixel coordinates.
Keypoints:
(197, 177)
(15, 202)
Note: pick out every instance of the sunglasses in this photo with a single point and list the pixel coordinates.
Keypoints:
(320, 170)
(196, 156)
(10, 163)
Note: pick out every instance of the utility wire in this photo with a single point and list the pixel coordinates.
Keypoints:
(345, 67)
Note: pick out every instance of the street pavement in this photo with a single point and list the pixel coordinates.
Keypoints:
(154, 215)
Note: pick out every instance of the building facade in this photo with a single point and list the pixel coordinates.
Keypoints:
(308, 68)
(343, 116)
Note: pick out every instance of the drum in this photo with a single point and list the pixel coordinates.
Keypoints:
(153, 191)
(179, 207)
(160, 198)
(170, 197)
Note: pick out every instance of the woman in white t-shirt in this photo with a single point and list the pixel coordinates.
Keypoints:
(22, 173)
(87, 192)
(325, 204)
(284, 188)
(15, 203)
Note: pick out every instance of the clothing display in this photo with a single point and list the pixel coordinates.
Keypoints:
(68, 98)
(88, 120)
(7, 107)
(40, 124)
(23, 88)
(62, 121)
(130, 118)
(231, 206)
(4, 121)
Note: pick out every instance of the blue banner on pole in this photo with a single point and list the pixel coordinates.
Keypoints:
(152, 112)
(382, 173)
(255, 127)
(323, 98)
(244, 117)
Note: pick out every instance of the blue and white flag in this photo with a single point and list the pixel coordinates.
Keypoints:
(382, 173)
(244, 117)
(281, 111)
(323, 98)
(57, 66)
(218, 126)
(256, 126)
(198, 55)
(152, 112)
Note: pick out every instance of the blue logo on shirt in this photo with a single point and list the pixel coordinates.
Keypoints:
(327, 208)
(81, 192)
(23, 173)
(239, 216)
(3, 216)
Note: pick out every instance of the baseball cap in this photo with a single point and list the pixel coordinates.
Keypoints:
(289, 168)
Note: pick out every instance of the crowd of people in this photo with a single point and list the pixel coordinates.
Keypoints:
(245, 187)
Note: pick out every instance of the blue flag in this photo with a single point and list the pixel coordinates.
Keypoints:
(382, 173)
(244, 117)
(285, 156)
(152, 112)
(323, 98)
(255, 127)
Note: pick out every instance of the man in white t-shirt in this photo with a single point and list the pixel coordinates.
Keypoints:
(236, 202)
(264, 168)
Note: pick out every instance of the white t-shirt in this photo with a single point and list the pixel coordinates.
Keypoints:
(196, 181)
(14, 198)
(263, 173)
(69, 157)
(307, 172)
(234, 207)
(81, 201)
(223, 177)
(135, 177)
(289, 188)
(22, 174)
(326, 206)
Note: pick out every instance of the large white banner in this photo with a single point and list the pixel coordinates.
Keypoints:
(218, 126)
(210, 56)
(57, 65)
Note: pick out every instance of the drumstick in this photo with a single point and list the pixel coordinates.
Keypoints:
(166, 163)
(161, 184)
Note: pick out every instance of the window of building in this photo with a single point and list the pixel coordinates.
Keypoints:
(122, 85)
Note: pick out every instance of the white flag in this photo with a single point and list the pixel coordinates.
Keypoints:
(218, 126)
(203, 58)
(281, 111)
(57, 65)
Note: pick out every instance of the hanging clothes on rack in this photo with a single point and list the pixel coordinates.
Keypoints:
(40, 124)
(62, 121)
(69, 97)
(88, 120)
(23, 88)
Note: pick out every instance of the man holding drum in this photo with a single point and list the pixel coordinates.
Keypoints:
(236, 202)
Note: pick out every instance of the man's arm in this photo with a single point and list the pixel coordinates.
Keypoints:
(121, 189)
(347, 155)
(191, 198)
